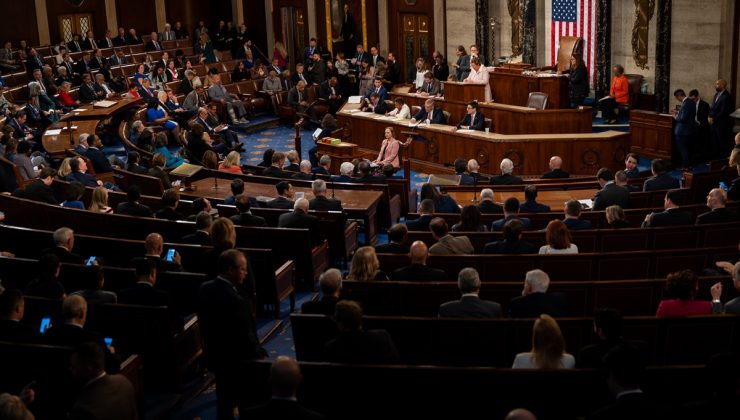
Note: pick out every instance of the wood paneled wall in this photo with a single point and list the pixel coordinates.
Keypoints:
(190, 12)
(20, 23)
(54, 8)
(254, 17)
(137, 14)
(371, 14)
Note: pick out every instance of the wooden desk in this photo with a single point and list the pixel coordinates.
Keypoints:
(555, 199)
(338, 153)
(91, 111)
(359, 204)
(652, 134)
(513, 119)
(67, 139)
(436, 145)
(512, 87)
(463, 92)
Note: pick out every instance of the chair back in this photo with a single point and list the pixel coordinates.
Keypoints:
(537, 100)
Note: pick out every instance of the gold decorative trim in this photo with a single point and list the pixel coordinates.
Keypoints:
(329, 41)
(364, 25)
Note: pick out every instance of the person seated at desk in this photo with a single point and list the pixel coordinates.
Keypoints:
(73, 196)
(530, 204)
(470, 304)
(426, 214)
(511, 211)
(447, 244)
(160, 147)
(320, 200)
(388, 150)
(378, 89)
(353, 344)
(131, 206)
(473, 168)
(443, 203)
(572, 214)
(297, 97)
(329, 91)
(231, 163)
(429, 114)
(661, 179)
(556, 162)
(400, 110)
(479, 76)
(293, 161)
(374, 104)
(133, 163)
(40, 188)
(535, 300)
(330, 284)
(512, 243)
(473, 120)
(506, 178)
(461, 170)
(431, 86)
(304, 171)
(630, 165)
(157, 170)
(285, 193)
(610, 193)
(618, 95)
(486, 204)
(716, 201)
(245, 216)
(156, 114)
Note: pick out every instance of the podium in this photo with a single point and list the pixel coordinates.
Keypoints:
(340, 152)
(464, 92)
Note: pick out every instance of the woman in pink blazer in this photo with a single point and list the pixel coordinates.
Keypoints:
(388, 150)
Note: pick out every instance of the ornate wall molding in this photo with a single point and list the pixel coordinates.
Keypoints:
(663, 56)
(603, 47)
(482, 28)
(644, 10)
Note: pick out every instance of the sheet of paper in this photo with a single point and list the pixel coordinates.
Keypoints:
(53, 132)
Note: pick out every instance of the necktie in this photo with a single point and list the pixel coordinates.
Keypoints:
(77, 45)
(43, 89)
(429, 88)
(93, 44)
(208, 127)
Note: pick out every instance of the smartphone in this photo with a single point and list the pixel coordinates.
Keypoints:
(45, 324)
(90, 261)
(176, 183)
(299, 195)
(170, 254)
(723, 186)
(108, 341)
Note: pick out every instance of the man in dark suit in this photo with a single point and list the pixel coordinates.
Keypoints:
(102, 396)
(685, 126)
(154, 245)
(506, 178)
(556, 162)
(276, 170)
(285, 377)
(133, 165)
(355, 345)
(366, 176)
(100, 162)
(610, 193)
(393, 69)
(283, 200)
(202, 234)
(511, 211)
(330, 92)
(121, 39)
(84, 65)
(131, 206)
(226, 319)
(661, 179)
(535, 300)
(720, 120)
(145, 293)
(397, 241)
(320, 200)
(426, 214)
(572, 216)
(345, 172)
(40, 188)
(702, 141)
(309, 51)
(317, 70)
(469, 305)
(12, 307)
(245, 216)
(461, 168)
(64, 240)
(630, 165)
(672, 216)
(374, 104)
(418, 270)
(375, 56)
(89, 91)
(170, 201)
(330, 283)
(512, 243)
(608, 329)
(530, 204)
(33, 62)
(716, 201)
(429, 114)
(734, 192)
(293, 161)
(486, 204)
(75, 45)
(431, 86)
(473, 120)
(299, 218)
(153, 44)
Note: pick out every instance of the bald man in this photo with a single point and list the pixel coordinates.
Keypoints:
(520, 414)
(300, 219)
(418, 270)
(720, 120)
(556, 162)
(718, 213)
(154, 244)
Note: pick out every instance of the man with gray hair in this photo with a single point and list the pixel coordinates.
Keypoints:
(324, 165)
(486, 204)
(473, 168)
(64, 241)
(330, 283)
(469, 305)
(345, 173)
(506, 178)
(320, 200)
(733, 306)
(300, 219)
(293, 159)
(718, 213)
(535, 300)
(304, 171)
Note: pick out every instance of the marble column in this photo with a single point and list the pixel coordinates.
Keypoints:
(529, 28)
(482, 31)
(603, 52)
(663, 56)
(159, 7)
(42, 20)
(111, 17)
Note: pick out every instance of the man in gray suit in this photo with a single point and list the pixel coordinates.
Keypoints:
(446, 243)
(733, 306)
(168, 34)
(235, 108)
(469, 305)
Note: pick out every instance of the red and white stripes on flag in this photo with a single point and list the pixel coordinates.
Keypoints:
(575, 18)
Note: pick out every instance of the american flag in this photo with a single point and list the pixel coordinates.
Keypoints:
(575, 18)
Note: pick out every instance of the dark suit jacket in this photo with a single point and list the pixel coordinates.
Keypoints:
(64, 255)
(663, 181)
(370, 179)
(392, 248)
(323, 306)
(506, 247)
(489, 206)
(536, 304)
(418, 272)
(592, 356)
(533, 207)
(325, 90)
(197, 238)
(670, 217)
(36, 190)
(499, 224)
(434, 89)
(303, 176)
(470, 307)
(72, 336)
(248, 219)
(162, 175)
(576, 224)
(555, 173)
(362, 347)
(134, 209)
(466, 179)
(281, 409)
(150, 46)
(15, 332)
(479, 122)
(685, 120)
(279, 203)
(88, 93)
(437, 116)
(107, 395)
(722, 106)
(228, 326)
(275, 172)
(325, 203)
(420, 224)
(137, 169)
(169, 214)
(100, 162)
(719, 215)
(342, 178)
(301, 220)
(84, 179)
(380, 107)
(144, 294)
(505, 179)
(610, 195)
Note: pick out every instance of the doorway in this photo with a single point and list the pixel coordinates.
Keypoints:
(415, 42)
(74, 24)
(291, 27)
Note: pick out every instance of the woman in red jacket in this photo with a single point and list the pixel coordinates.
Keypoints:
(618, 95)
(681, 286)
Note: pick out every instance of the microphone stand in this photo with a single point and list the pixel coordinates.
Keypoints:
(332, 190)
(475, 189)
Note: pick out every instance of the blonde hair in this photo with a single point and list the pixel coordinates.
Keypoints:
(364, 264)
(99, 202)
(614, 213)
(210, 159)
(64, 168)
(12, 407)
(735, 157)
(548, 345)
(232, 159)
(223, 233)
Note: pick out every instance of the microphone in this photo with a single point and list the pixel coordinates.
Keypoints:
(475, 189)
